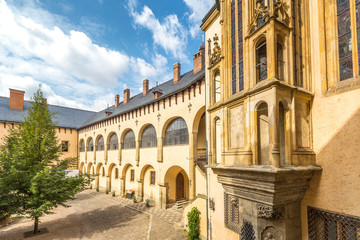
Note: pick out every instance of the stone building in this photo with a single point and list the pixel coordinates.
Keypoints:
(283, 119)
(68, 120)
(152, 144)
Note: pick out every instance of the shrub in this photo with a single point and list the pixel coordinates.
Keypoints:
(193, 222)
(147, 202)
(134, 198)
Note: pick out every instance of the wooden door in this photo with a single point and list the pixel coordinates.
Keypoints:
(180, 186)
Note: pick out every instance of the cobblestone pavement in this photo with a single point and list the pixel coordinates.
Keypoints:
(95, 215)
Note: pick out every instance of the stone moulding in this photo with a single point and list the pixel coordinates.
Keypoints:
(269, 212)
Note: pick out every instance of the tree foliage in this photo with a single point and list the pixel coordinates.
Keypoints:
(193, 223)
(32, 176)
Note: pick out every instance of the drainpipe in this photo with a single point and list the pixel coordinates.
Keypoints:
(207, 172)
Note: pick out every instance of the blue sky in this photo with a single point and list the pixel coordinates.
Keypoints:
(83, 52)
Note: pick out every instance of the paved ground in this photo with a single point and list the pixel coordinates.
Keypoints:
(99, 216)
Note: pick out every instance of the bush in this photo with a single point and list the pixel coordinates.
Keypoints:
(134, 199)
(193, 222)
(147, 202)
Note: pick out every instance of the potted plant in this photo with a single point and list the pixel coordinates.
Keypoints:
(97, 188)
(147, 202)
(106, 190)
(113, 193)
(134, 199)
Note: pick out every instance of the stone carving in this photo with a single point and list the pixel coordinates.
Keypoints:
(232, 213)
(271, 233)
(280, 8)
(269, 212)
(215, 54)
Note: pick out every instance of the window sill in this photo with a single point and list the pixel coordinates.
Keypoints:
(344, 86)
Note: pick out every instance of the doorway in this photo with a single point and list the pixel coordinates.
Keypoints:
(180, 193)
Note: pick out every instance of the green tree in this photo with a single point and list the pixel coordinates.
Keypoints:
(32, 176)
(193, 223)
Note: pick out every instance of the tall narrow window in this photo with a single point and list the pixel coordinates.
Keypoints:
(132, 175)
(129, 140)
(261, 62)
(217, 86)
(218, 140)
(233, 47)
(100, 144)
(240, 36)
(152, 177)
(90, 145)
(357, 2)
(344, 39)
(280, 61)
(148, 138)
(82, 146)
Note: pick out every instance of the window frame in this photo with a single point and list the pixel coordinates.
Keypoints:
(152, 177)
(173, 137)
(66, 147)
(132, 175)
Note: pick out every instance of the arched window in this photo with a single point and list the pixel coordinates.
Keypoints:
(82, 146)
(218, 140)
(263, 134)
(90, 147)
(177, 133)
(116, 173)
(129, 140)
(261, 62)
(217, 87)
(103, 172)
(100, 144)
(113, 143)
(148, 138)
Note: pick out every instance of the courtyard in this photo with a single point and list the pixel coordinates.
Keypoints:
(95, 215)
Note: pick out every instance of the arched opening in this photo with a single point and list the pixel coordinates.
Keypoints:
(148, 178)
(100, 176)
(113, 142)
(113, 179)
(90, 145)
(177, 186)
(201, 142)
(282, 134)
(263, 134)
(129, 140)
(148, 138)
(218, 141)
(100, 144)
(128, 175)
(81, 168)
(180, 186)
(176, 133)
(261, 61)
(89, 168)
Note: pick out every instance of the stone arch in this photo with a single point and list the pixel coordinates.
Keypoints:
(217, 131)
(80, 147)
(197, 118)
(97, 142)
(88, 171)
(262, 133)
(166, 124)
(88, 141)
(127, 184)
(172, 190)
(81, 167)
(110, 135)
(175, 140)
(100, 179)
(148, 190)
(110, 175)
(142, 130)
(123, 134)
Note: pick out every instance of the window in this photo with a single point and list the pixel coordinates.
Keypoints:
(345, 39)
(132, 175)
(59, 130)
(152, 178)
(237, 67)
(64, 146)
(64, 130)
(113, 143)
(148, 138)
(218, 140)
(116, 173)
(100, 144)
(103, 172)
(90, 145)
(177, 133)
(70, 131)
(280, 61)
(217, 86)
(82, 146)
(261, 62)
(129, 140)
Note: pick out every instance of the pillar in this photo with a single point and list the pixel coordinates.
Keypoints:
(137, 157)
(162, 195)
(106, 153)
(122, 185)
(120, 153)
(95, 153)
(271, 46)
(160, 149)
(140, 190)
(192, 159)
(108, 183)
(274, 144)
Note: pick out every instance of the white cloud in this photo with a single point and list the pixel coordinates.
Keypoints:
(168, 34)
(198, 10)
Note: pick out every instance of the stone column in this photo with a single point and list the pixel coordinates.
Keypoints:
(160, 149)
(120, 153)
(140, 190)
(192, 159)
(86, 151)
(108, 183)
(271, 46)
(95, 153)
(106, 153)
(273, 112)
(137, 156)
(122, 186)
(162, 195)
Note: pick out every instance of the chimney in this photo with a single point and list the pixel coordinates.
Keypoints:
(16, 99)
(177, 70)
(126, 96)
(117, 100)
(145, 87)
(199, 59)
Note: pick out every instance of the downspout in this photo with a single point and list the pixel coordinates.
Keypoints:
(207, 172)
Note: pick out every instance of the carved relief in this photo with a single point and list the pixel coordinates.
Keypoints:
(270, 212)
(232, 213)
(215, 54)
(271, 233)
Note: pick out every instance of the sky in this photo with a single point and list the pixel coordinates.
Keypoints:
(83, 52)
